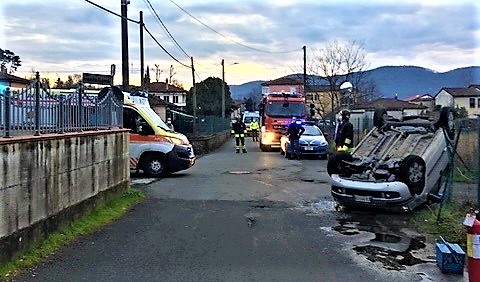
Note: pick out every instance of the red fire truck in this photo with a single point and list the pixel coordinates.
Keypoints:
(276, 112)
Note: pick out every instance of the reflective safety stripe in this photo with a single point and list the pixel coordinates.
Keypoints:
(242, 135)
(344, 148)
(348, 141)
(133, 162)
(237, 135)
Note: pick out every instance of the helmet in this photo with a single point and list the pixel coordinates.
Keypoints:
(345, 114)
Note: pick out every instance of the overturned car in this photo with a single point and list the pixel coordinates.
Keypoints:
(398, 165)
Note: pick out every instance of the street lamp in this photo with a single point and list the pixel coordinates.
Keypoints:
(223, 86)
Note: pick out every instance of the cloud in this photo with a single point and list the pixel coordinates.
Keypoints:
(75, 33)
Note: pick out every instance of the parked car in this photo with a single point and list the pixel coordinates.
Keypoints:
(397, 165)
(312, 143)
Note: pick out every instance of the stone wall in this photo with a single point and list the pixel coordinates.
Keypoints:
(47, 181)
(205, 144)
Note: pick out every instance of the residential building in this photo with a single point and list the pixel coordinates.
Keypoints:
(169, 93)
(467, 97)
(283, 85)
(423, 100)
(11, 81)
(362, 113)
(320, 97)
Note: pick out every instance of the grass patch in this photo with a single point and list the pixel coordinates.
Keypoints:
(449, 225)
(99, 217)
(464, 175)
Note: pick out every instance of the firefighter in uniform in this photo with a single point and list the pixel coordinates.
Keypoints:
(239, 130)
(344, 142)
(254, 126)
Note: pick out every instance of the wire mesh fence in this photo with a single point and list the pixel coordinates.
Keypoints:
(204, 125)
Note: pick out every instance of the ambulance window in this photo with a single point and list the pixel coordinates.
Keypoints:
(129, 118)
(132, 120)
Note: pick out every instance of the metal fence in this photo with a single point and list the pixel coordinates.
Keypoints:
(35, 110)
(204, 124)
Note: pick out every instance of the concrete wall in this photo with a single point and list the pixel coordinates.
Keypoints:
(46, 181)
(205, 144)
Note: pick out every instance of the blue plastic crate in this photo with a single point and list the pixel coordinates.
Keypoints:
(450, 257)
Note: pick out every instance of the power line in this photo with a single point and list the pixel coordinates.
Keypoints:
(111, 12)
(159, 20)
(158, 43)
(234, 41)
(144, 26)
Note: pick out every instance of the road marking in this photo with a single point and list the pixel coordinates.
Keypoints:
(143, 181)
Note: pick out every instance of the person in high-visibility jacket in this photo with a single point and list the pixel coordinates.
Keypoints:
(344, 141)
(254, 126)
(239, 130)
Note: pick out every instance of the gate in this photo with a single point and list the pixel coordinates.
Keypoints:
(35, 110)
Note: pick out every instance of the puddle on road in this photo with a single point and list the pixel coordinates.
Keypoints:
(317, 208)
(379, 238)
(393, 249)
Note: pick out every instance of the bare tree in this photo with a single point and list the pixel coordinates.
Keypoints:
(337, 62)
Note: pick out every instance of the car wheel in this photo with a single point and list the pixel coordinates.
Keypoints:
(154, 166)
(263, 148)
(412, 173)
(379, 117)
(446, 121)
(336, 165)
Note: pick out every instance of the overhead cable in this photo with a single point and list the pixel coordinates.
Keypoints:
(144, 26)
(230, 39)
(158, 43)
(111, 12)
(152, 9)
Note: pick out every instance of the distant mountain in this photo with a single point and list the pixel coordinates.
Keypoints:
(245, 90)
(403, 81)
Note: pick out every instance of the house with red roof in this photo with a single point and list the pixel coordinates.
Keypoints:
(11, 81)
(423, 100)
(283, 85)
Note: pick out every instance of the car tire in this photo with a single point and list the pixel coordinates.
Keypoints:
(263, 148)
(446, 121)
(412, 173)
(154, 166)
(336, 165)
(379, 117)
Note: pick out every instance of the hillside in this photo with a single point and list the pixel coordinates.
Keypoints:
(404, 81)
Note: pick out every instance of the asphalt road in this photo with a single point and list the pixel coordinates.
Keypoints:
(245, 217)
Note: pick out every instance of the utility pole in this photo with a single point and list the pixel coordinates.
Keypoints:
(305, 70)
(223, 88)
(194, 102)
(142, 57)
(125, 74)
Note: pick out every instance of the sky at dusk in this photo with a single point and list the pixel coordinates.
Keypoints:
(259, 40)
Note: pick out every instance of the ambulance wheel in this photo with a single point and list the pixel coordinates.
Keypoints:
(154, 166)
